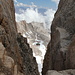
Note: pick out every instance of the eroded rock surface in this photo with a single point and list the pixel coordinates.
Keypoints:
(61, 49)
(15, 53)
(64, 72)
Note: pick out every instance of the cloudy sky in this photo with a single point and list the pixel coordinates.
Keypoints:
(36, 10)
(41, 3)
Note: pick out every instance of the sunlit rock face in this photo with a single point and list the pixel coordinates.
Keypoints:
(38, 38)
(16, 56)
(61, 49)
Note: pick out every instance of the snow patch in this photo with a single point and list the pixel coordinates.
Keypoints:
(39, 59)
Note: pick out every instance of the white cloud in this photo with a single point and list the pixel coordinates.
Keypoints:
(15, 0)
(31, 14)
(49, 17)
(56, 1)
(24, 5)
(18, 4)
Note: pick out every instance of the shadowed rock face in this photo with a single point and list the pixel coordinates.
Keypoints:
(15, 53)
(29, 65)
(61, 49)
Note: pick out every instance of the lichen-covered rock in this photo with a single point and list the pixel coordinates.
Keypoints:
(15, 54)
(61, 49)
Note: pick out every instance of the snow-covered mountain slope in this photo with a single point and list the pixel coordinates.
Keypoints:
(38, 38)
